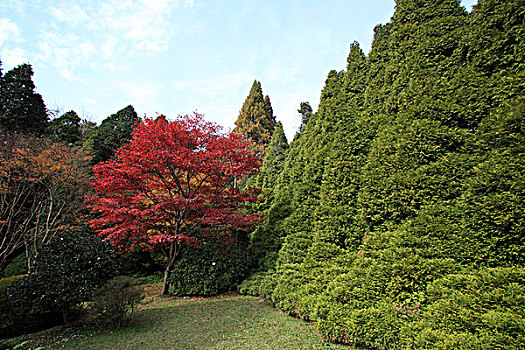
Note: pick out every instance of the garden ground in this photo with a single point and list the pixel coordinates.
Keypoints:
(229, 321)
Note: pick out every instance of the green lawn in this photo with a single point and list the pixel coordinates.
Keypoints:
(223, 322)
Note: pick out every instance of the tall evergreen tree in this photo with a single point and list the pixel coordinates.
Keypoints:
(337, 214)
(65, 128)
(273, 162)
(266, 240)
(111, 134)
(22, 110)
(256, 120)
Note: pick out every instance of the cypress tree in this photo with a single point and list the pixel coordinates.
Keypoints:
(22, 109)
(266, 240)
(401, 201)
(336, 215)
(273, 165)
(306, 111)
(256, 120)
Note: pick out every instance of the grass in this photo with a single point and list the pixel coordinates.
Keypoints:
(224, 322)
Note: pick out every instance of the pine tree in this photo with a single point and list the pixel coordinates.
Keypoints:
(256, 120)
(114, 131)
(22, 109)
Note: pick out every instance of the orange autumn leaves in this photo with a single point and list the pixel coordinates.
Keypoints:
(42, 186)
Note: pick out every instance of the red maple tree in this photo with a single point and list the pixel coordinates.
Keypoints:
(172, 179)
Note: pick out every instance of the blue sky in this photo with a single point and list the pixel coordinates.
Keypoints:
(178, 56)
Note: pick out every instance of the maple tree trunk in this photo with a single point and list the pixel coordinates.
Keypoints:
(166, 285)
(173, 254)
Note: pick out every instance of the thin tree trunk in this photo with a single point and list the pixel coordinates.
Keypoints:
(166, 286)
(64, 315)
(174, 251)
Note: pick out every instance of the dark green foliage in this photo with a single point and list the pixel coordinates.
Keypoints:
(306, 111)
(140, 263)
(13, 322)
(256, 120)
(66, 272)
(22, 110)
(4, 303)
(65, 128)
(400, 206)
(213, 266)
(114, 300)
(273, 162)
(114, 131)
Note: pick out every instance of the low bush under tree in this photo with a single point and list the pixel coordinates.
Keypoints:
(67, 272)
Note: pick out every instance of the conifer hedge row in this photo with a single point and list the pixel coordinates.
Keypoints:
(397, 220)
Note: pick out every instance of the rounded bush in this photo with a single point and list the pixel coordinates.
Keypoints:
(67, 271)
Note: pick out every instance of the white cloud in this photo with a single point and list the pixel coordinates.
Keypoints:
(13, 5)
(13, 57)
(105, 34)
(8, 31)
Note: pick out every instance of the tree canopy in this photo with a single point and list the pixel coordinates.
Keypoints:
(65, 128)
(173, 179)
(402, 195)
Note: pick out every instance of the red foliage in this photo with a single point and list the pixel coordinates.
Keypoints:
(171, 178)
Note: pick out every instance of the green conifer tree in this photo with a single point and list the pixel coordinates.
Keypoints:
(65, 128)
(266, 240)
(111, 134)
(306, 111)
(22, 109)
(256, 120)
(402, 200)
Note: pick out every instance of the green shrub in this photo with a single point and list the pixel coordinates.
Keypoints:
(12, 321)
(17, 267)
(210, 268)
(140, 263)
(6, 312)
(476, 309)
(153, 278)
(259, 284)
(4, 285)
(67, 271)
(113, 301)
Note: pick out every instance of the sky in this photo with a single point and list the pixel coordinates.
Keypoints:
(175, 57)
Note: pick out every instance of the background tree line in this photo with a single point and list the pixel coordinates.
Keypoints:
(46, 161)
